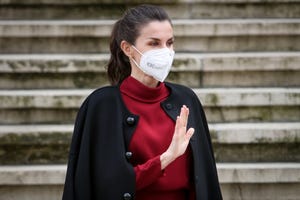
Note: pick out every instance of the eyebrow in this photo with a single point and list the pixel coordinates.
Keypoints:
(152, 38)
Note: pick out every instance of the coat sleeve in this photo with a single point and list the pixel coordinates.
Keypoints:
(69, 187)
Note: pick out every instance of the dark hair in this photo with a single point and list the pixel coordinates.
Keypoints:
(128, 28)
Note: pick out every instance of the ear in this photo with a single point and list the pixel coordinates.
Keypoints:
(126, 48)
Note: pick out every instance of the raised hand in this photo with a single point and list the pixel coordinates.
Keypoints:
(180, 139)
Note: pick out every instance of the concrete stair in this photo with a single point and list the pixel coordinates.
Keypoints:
(233, 142)
(197, 70)
(242, 59)
(192, 35)
(111, 9)
(221, 105)
(260, 181)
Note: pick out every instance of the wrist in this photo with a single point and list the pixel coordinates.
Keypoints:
(166, 158)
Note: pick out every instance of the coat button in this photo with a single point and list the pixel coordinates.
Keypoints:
(130, 120)
(169, 106)
(127, 196)
(128, 155)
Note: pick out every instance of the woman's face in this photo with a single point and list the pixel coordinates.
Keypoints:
(154, 35)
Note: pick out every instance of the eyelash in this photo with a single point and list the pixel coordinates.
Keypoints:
(154, 43)
(169, 43)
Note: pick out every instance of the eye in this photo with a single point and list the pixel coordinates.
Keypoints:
(154, 43)
(170, 43)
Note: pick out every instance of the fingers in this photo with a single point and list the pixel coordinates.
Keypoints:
(190, 132)
(184, 113)
(181, 122)
(181, 137)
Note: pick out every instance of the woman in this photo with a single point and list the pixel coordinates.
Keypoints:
(141, 138)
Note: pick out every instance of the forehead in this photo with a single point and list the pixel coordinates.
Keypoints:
(156, 29)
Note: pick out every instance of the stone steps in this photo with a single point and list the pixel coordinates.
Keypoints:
(210, 35)
(260, 181)
(256, 142)
(221, 105)
(263, 181)
(108, 9)
(240, 57)
(70, 71)
(233, 142)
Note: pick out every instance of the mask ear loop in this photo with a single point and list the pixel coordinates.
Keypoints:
(134, 59)
(137, 50)
(135, 63)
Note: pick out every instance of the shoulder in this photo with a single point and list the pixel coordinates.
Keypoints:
(181, 90)
(185, 95)
(104, 92)
(102, 95)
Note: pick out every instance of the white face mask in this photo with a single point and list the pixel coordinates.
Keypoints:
(156, 63)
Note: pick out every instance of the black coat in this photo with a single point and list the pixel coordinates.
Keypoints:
(99, 166)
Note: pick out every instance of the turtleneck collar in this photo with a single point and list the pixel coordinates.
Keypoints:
(140, 92)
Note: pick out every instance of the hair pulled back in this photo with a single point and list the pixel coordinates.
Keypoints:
(128, 28)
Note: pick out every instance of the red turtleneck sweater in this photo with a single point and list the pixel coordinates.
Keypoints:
(151, 138)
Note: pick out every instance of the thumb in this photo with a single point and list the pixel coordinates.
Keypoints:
(190, 133)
